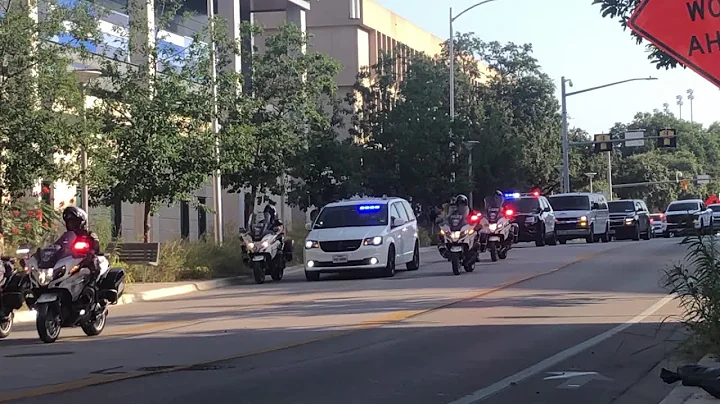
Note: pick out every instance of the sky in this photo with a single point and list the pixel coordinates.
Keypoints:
(571, 39)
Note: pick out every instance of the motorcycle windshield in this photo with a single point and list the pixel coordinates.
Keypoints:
(260, 225)
(493, 206)
(457, 220)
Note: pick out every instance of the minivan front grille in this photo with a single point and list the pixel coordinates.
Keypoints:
(340, 245)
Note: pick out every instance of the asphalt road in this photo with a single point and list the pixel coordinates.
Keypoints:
(493, 335)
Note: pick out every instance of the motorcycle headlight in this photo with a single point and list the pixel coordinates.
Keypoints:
(455, 236)
(264, 244)
(45, 276)
(250, 246)
(493, 226)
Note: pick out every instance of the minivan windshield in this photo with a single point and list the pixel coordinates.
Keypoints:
(352, 216)
(621, 206)
(574, 202)
(678, 206)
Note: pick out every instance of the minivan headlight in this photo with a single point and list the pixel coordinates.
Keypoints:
(377, 240)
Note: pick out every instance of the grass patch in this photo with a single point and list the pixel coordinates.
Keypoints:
(183, 261)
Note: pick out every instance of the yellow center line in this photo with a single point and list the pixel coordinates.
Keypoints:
(386, 319)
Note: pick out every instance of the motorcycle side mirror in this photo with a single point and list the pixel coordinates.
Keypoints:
(242, 230)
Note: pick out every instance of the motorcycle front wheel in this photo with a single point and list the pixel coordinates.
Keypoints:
(492, 246)
(48, 322)
(455, 265)
(259, 273)
(6, 326)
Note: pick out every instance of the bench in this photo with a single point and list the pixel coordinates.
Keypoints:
(135, 253)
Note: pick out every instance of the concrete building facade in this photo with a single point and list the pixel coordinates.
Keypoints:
(355, 32)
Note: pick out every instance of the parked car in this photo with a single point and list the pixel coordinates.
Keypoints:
(686, 217)
(362, 234)
(630, 218)
(656, 220)
(581, 215)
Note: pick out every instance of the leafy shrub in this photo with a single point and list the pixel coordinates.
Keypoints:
(28, 222)
(697, 285)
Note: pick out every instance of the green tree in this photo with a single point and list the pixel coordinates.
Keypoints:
(519, 142)
(329, 169)
(35, 84)
(155, 118)
(622, 10)
(273, 125)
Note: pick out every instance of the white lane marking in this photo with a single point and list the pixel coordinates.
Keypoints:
(559, 357)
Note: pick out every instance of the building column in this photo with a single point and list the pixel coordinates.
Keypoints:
(296, 15)
(237, 12)
(142, 33)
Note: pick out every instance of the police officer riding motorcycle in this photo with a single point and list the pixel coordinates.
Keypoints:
(459, 241)
(498, 231)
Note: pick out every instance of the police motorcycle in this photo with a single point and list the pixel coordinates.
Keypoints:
(66, 293)
(267, 252)
(498, 231)
(459, 236)
(14, 288)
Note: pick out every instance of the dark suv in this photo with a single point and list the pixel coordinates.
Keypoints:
(535, 218)
(630, 218)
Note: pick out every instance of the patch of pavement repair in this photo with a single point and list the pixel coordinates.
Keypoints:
(693, 395)
(385, 320)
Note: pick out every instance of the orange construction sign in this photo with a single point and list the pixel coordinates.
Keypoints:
(689, 30)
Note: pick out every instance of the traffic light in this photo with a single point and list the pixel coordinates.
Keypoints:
(603, 143)
(667, 138)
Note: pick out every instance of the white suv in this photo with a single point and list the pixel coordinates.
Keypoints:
(362, 233)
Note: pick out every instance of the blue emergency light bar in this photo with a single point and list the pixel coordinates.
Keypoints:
(512, 195)
(369, 208)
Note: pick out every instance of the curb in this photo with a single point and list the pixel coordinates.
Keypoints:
(28, 316)
(692, 395)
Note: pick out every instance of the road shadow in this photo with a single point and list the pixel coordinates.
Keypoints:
(411, 363)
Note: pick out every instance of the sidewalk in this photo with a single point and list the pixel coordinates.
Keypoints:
(140, 292)
(692, 395)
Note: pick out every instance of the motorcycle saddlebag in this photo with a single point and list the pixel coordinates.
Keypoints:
(288, 250)
(13, 294)
(113, 285)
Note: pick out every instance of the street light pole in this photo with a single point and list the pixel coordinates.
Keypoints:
(591, 175)
(217, 180)
(609, 175)
(84, 77)
(564, 94)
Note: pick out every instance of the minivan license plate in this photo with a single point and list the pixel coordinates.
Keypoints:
(339, 259)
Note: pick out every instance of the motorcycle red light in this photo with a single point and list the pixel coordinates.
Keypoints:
(652, 220)
(509, 212)
(475, 218)
(81, 246)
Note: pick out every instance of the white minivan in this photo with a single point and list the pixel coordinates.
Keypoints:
(362, 233)
(581, 215)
